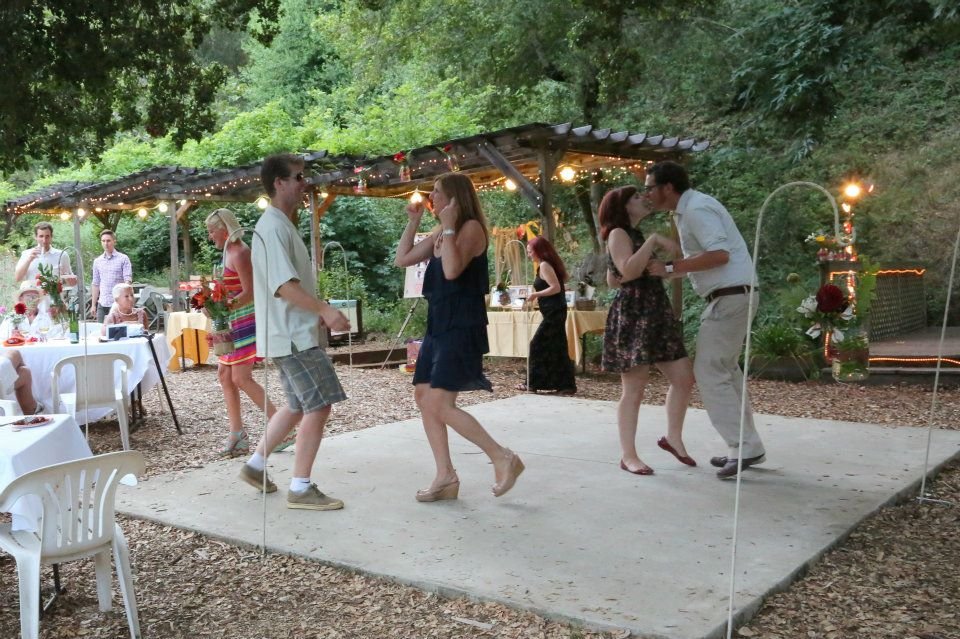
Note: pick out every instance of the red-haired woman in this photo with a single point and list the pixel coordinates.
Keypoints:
(551, 369)
(641, 329)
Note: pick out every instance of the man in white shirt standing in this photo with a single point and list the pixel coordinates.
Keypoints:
(44, 253)
(716, 259)
(289, 316)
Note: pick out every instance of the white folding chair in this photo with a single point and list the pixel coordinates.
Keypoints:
(94, 376)
(78, 521)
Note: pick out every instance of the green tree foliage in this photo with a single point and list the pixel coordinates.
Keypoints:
(405, 116)
(246, 138)
(295, 64)
(77, 71)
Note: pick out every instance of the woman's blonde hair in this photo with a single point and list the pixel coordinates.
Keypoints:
(122, 286)
(225, 219)
(459, 187)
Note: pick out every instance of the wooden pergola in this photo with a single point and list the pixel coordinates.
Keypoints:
(530, 156)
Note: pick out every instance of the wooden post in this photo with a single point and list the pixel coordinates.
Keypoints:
(314, 231)
(548, 161)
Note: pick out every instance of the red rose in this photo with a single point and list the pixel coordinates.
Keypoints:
(400, 157)
(20, 308)
(447, 148)
(830, 299)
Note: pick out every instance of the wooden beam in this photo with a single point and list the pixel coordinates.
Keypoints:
(493, 155)
(183, 209)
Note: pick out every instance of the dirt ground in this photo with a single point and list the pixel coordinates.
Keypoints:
(894, 576)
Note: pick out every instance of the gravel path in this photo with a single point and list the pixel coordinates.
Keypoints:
(895, 576)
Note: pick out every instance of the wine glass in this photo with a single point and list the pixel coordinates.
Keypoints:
(43, 325)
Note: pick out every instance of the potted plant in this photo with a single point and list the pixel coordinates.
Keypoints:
(780, 352)
(503, 288)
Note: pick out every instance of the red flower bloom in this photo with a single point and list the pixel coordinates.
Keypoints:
(359, 169)
(198, 300)
(830, 299)
(218, 293)
(20, 308)
(448, 148)
(400, 157)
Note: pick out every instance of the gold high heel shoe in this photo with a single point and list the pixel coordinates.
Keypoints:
(441, 493)
(513, 471)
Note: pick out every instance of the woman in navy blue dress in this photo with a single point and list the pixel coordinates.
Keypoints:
(451, 356)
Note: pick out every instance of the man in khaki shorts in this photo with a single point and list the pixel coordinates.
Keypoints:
(289, 315)
(719, 266)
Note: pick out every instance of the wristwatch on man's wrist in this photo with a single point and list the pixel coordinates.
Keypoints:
(448, 232)
(668, 267)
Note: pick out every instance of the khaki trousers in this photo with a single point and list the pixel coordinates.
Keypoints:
(723, 329)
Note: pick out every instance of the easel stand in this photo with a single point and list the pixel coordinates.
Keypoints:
(163, 381)
(403, 327)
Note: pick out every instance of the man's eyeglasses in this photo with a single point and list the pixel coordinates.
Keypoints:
(298, 177)
(649, 187)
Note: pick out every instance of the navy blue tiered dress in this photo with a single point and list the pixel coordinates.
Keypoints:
(451, 356)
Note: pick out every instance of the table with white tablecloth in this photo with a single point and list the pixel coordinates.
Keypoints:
(510, 332)
(32, 448)
(42, 357)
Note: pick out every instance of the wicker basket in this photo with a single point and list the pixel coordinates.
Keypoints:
(585, 305)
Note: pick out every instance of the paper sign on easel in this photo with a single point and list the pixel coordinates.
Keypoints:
(413, 278)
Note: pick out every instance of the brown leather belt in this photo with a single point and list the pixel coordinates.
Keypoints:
(729, 290)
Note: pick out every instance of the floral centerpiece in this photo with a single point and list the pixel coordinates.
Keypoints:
(212, 300)
(845, 341)
(829, 247)
(14, 318)
(51, 285)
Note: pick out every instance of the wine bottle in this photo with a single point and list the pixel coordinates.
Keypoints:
(74, 327)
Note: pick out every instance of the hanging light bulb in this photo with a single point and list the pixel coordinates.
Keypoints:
(510, 185)
(142, 213)
(163, 207)
(852, 190)
(416, 198)
(65, 215)
(567, 173)
(324, 195)
(846, 207)
(262, 202)
(81, 213)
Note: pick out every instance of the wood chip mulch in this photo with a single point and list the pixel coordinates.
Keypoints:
(894, 576)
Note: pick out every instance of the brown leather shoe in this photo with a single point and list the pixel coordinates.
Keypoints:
(729, 469)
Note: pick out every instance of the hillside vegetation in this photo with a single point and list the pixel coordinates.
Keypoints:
(809, 90)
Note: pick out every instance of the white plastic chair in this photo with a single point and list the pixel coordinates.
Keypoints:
(9, 407)
(78, 521)
(94, 374)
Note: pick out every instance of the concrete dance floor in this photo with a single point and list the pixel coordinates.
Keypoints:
(577, 538)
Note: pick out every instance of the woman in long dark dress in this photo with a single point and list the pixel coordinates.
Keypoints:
(551, 369)
(451, 355)
(641, 328)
